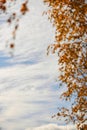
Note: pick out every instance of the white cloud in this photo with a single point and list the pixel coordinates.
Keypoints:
(53, 127)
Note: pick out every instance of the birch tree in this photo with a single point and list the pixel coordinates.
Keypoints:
(69, 17)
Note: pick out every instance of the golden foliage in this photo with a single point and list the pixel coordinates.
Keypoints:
(13, 18)
(70, 20)
(24, 8)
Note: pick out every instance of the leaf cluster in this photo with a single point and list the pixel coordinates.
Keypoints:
(70, 20)
(13, 11)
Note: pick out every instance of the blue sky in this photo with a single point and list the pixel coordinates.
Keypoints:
(28, 88)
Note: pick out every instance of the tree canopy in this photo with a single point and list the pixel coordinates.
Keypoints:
(70, 20)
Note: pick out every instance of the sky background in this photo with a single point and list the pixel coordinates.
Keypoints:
(29, 93)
